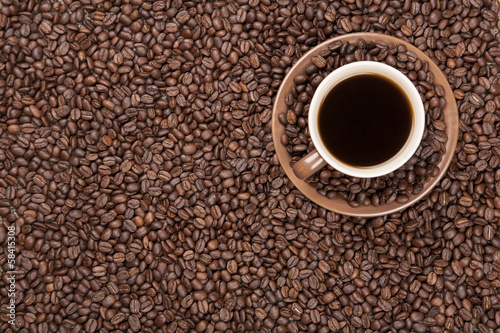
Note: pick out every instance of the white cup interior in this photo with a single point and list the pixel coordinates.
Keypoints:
(418, 121)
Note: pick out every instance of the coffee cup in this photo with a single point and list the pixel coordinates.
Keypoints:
(366, 119)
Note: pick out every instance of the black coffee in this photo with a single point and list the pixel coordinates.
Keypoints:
(365, 120)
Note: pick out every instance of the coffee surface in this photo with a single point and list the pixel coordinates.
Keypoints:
(365, 120)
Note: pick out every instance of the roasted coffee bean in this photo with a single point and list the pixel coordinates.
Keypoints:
(99, 271)
(118, 318)
(91, 325)
(134, 323)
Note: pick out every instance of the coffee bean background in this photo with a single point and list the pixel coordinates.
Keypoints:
(137, 164)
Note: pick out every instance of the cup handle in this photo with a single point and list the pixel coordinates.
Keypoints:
(308, 165)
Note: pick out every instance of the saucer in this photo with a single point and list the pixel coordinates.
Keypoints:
(338, 204)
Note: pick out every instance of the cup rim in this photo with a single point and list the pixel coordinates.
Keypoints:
(418, 123)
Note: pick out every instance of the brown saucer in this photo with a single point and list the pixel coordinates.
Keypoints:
(338, 204)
